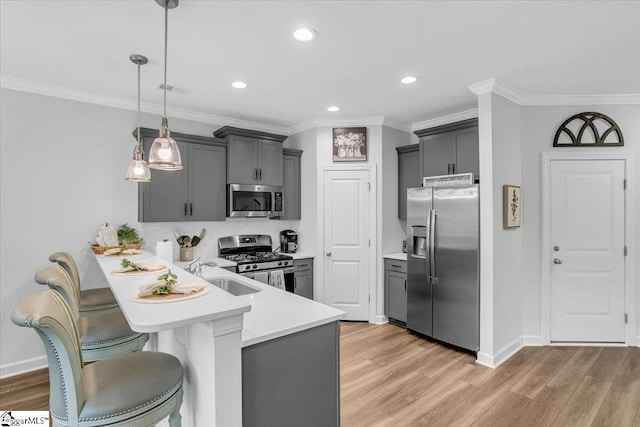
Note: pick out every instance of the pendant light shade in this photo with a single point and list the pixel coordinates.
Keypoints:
(165, 154)
(138, 169)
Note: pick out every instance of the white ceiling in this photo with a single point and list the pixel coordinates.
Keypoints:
(363, 49)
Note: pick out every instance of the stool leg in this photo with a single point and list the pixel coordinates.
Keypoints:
(175, 419)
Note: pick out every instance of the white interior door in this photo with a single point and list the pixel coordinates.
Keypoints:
(587, 251)
(346, 241)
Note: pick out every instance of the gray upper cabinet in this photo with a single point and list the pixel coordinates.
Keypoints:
(449, 149)
(291, 184)
(195, 193)
(253, 157)
(408, 174)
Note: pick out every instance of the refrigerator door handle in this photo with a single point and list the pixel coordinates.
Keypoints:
(432, 248)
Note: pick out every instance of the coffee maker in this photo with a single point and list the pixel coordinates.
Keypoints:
(288, 241)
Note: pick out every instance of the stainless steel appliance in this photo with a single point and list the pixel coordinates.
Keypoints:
(443, 244)
(254, 256)
(288, 241)
(254, 200)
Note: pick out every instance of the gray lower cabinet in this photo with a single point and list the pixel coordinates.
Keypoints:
(303, 277)
(195, 193)
(291, 184)
(294, 380)
(395, 291)
(408, 174)
(253, 157)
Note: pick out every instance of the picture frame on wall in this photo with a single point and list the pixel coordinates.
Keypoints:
(350, 144)
(511, 200)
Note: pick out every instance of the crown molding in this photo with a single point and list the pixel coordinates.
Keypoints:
(444, 120)
(348, 121)
(520, 98)
(8, 82)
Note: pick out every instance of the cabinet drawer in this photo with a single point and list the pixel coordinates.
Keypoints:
(303, 264)
(395, 265)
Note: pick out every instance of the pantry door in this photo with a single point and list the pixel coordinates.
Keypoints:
(346, 241)
(587, 224)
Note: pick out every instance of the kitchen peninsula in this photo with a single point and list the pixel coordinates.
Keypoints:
(269, 356)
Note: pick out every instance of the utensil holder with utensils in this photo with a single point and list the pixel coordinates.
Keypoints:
(186, 253)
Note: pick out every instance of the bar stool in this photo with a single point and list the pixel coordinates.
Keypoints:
(90, 299)
(103, 333)
(136, 389)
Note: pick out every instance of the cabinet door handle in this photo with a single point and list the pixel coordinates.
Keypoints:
(295, 283)
(255, 174)
(190, 209)
(449, 168)
(453, 167)
(260, 174)
(405, 285)
(185, 209)
(396, 266)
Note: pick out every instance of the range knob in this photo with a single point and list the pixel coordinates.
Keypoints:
(254, 266)
(279, 263)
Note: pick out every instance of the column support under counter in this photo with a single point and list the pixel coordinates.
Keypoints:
(210, 353)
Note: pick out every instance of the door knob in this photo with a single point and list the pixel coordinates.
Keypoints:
(556, 248)
(557, 261)
(328, 254)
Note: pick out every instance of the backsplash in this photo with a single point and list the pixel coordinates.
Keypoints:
(153, 232)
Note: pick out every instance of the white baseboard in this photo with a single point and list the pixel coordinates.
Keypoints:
(638, 340)
(532, 341)
(379, 320)
(493, 361)
(17, 368)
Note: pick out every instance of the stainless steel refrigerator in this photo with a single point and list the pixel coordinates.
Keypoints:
(443, 269)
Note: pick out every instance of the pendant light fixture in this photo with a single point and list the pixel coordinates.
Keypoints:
(138, 169)
(164, 153)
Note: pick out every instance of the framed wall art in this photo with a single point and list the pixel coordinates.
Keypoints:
(511, 200)
(350, 144)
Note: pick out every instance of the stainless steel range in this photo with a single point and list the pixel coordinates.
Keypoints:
(254, 256)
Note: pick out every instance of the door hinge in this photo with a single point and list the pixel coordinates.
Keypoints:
(624, 184)
(626, 318)
(369, 298)
(368, 186)
(625, 250)
(369, 242)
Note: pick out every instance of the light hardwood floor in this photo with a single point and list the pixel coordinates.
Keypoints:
(392, 378)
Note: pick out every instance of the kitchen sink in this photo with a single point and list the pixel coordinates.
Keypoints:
(233, 286)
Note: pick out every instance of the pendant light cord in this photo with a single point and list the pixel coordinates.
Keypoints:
(139, 144)
(166, 25)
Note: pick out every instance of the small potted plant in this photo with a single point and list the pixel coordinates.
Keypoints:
(128, 236)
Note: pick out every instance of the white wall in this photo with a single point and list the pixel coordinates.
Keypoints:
(62, 174)
(538, 127)
(507, 243)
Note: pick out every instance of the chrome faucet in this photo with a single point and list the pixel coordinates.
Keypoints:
(195, 266)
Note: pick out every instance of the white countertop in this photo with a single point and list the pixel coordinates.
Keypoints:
(400, 256)
(149, 317)
(268, 314)
(302, 255)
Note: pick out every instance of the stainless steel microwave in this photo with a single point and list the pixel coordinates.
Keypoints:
(245, 200)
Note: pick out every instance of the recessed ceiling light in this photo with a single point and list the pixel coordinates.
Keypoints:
(305, 34)
(408, 80)
(239, 85)
(332, 109)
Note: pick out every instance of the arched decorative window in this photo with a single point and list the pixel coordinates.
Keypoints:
(589, 130)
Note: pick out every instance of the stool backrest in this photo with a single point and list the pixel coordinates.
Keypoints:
(66, 261)
(57, 278)
(50, 316)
